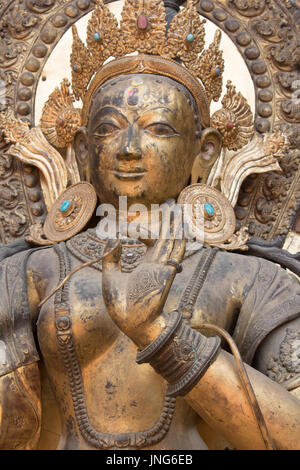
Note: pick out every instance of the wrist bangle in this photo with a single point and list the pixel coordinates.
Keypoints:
(181, 355)
(150, 351)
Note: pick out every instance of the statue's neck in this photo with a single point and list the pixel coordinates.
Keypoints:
(136, 221)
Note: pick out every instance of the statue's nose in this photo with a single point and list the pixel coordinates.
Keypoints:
(131, 149)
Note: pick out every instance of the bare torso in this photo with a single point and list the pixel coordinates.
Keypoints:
(120, 396)
(119, 402)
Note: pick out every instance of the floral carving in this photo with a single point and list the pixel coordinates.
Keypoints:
(39, 6)
(102, 34)
(82, 66)
(151, 37)
(285, 367)
(18, 22)
(235, 120)
(60, 120)
(210, 67)
(249, 8)
(290, 110)
(273, 25)
(13, 215)
(290, 83)
(286, 54)
(9, 52)
(180, 28)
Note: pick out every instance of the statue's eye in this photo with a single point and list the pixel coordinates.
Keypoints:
(105, 129)
(160, 129)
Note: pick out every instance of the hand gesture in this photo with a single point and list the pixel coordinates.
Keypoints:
(136, 300)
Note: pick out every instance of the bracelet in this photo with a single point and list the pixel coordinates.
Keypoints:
(175, 319)
(181, 355)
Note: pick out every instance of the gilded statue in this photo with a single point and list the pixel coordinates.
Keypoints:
(122, 342)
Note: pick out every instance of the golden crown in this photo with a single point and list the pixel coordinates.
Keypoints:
(143, 29)
(176, 51)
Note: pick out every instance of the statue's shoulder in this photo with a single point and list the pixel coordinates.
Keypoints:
(222, 263)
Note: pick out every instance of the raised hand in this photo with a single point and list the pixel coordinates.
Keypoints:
(135, 301)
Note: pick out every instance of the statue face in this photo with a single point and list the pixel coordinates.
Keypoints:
(142, 139)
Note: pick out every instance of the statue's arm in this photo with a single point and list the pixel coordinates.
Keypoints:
(268, 335)
(20, 408)
(278, 357)
(193, 364)
(20, 400)
(219, 399)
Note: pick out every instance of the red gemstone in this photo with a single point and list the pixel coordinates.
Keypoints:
(142, 22)
(60, 122)
(230, 125)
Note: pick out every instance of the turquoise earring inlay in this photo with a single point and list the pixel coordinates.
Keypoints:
(65, 206)
(209, 209)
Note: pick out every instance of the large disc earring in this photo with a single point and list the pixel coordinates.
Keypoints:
(71, 212)
(218, 221)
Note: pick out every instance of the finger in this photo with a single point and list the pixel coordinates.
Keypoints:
(172, 229)
(112, 256)
(178, 250)
(175, 259)
(161, 250)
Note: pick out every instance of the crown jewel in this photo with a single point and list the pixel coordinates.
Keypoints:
(143, 29)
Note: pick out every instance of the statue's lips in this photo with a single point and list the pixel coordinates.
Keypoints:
(129, 173)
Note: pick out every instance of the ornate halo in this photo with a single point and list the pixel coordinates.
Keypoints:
(71, 212)
(219, 217)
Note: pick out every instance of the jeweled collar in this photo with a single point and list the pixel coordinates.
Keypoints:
(87, 246)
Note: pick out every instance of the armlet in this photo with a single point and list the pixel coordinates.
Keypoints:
(285, 367)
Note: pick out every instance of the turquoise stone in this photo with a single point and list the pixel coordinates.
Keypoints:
(65, 206)
(96, 36)
(209, 209)
(190, 37)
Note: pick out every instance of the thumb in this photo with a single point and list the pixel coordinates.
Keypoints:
(112, 255)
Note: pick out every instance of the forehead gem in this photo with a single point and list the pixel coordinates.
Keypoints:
(218, 71)
(96, 36)
(133, 97)
(190, 37)
(142, 22)
(65, 206)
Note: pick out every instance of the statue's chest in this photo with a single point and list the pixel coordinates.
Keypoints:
(78, 316)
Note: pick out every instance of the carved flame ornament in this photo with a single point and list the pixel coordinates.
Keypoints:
(60, 120)
(235, 120)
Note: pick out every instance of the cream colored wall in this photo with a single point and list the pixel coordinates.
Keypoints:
(57, 67)
(292, 243)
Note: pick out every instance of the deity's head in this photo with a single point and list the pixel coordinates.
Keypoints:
(143, 134)
(146, 116)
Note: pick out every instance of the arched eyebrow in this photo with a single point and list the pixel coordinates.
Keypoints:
(145, 114)
(155, 109)
(108, 111)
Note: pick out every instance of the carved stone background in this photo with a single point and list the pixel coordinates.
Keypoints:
(267, 34)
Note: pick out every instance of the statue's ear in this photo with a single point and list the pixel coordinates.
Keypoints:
(81, 153)
(210, 148)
